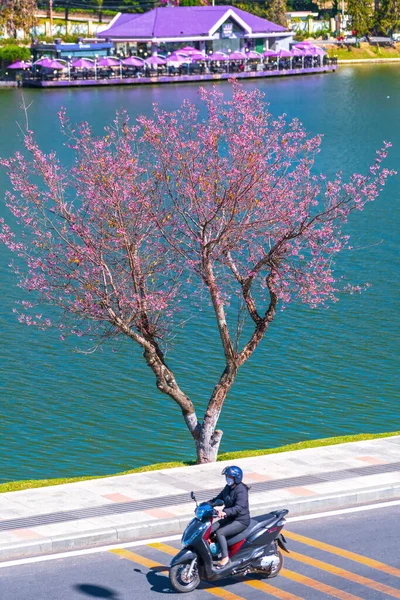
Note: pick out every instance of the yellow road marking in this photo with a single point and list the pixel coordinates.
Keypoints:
(221, 593)
(146, 562)
(164, 548)
(380, 587)
(269, 589)
(258, 585)
(141, 560)
(369, 562)
(318, 585)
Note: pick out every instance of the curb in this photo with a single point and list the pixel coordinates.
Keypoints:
(134, 532)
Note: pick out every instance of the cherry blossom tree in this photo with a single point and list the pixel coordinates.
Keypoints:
(172, 211)
(18, 14)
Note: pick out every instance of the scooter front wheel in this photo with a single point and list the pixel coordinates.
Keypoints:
(184, 579)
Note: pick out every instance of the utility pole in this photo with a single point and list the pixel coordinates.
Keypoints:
(51, 17)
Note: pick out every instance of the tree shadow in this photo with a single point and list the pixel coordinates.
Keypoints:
(96, 591)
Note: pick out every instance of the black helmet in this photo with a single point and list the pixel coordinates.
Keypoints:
(235, 472)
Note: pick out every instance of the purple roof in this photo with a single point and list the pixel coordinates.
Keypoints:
(181, 21)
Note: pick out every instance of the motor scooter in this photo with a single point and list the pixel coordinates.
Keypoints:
(257, 549)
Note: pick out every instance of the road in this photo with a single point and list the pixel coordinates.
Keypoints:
(319, 566)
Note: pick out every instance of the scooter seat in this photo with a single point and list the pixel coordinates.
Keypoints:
(254, 525)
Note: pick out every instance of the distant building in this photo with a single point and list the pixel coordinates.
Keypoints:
(59, 49)
(207, 28)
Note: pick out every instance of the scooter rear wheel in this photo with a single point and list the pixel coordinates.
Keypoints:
(179, 579)
(275, 570)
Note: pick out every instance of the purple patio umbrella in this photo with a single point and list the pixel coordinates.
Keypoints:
(82, 63)
(285, 54)
(310, 48)
(156, 60)
(218, 56)
(269, 53)
(133, 61)
(108, 61)
(198, 55)
(178, 56)
(237, 55)
(298, 51)
(50, 63)
(253, 54)
(187, 49)
(319, 51)
(20, 64)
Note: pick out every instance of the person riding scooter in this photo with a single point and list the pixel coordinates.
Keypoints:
(235, 516)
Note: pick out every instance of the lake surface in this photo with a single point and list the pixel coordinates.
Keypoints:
(318, 373)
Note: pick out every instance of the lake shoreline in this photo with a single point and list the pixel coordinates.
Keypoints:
(319, 443)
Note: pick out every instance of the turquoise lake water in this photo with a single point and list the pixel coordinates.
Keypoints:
(318, 373)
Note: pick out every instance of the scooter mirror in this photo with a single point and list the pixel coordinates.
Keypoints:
(218, 503)
(193, 497)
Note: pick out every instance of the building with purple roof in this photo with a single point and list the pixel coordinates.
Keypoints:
(206, 28)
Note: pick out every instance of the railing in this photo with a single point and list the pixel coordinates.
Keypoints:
(297, 63)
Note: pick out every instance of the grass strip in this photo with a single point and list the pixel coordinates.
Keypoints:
(14, 486)
(364, 52)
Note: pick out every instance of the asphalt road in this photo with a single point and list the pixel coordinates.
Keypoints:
(319, 567)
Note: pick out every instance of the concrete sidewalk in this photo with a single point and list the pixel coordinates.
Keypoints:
(130, 507)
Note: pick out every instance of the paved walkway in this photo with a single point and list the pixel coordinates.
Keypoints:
(129, 507)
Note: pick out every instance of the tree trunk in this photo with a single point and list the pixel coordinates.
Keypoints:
(209, 438)
(207, 445)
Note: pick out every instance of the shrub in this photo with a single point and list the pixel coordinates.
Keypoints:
(11, 53)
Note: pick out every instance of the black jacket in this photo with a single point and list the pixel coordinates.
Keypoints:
(236, 501)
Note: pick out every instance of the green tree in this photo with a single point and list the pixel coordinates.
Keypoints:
(389, 16)
(17, 14)
(277, 12)
(359, 12)
(11, 53)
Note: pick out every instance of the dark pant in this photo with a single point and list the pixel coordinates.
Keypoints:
(224, 529)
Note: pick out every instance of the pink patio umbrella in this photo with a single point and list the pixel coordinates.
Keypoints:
(253, 54)
(156, 60)
(20, 64)
(50, 63)
(298, 51)
(108, 61)
(133, 61)
(237, 55)
(198, 55)
(179, 57)
(269, 53)
(187, 49)
(218, 56)
(285, 54)
(309, 47)
(82, 63)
